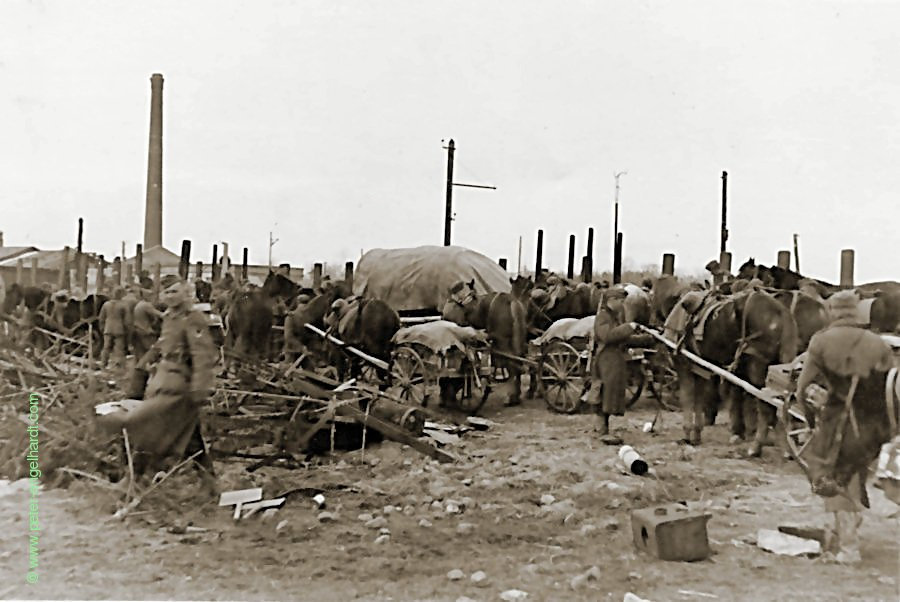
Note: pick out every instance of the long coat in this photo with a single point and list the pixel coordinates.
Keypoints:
(612, 337)
(837, 450)
(163, 424)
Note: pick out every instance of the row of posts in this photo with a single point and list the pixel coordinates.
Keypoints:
(131, 271)
(668, 261)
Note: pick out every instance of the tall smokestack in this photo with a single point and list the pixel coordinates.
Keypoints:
(153, 214)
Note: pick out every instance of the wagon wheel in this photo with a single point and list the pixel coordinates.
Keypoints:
(797, 433)
(663, 384)
(561, 377)
(409, 379)
(635, 384)
(468, 391)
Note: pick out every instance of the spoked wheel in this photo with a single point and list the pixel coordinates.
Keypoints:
(797, 433)
(466, 393)
(409, 380)
(561, 377)
(663, 384)
(635, 385)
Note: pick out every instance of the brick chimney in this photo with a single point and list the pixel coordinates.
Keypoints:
(153, 212)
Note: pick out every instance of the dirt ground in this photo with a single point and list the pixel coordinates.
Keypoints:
(501, 527)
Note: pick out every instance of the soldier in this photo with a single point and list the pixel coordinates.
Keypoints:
(146, 326)
(166, 427)
(130, 300)
(113, 320)
(612, 337)
(854, 422)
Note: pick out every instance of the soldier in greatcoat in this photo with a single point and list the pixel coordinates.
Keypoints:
(853, 424)
(609, 368)
(166, 426)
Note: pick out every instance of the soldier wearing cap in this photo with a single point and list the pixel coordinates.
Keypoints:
(612, 337)
(166, 426)
(146, 326)
(853, 424)
(293, 345)
(113, 319)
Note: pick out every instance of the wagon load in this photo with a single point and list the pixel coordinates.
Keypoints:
(420, 278)
(441, 359)
(568, 330)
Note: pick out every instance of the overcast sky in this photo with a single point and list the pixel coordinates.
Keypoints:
(323, 122)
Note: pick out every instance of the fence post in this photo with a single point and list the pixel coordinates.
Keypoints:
(317, 276)
(215, 264)
(244, 266)
(668, 264)
(847, 257)
(540, 253)
(348, 274)
(784, 260)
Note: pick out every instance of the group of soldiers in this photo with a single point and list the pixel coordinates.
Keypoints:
(859, 420)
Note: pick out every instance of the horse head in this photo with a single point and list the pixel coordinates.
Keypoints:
(460, 302)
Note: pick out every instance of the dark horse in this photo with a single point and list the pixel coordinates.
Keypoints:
(809, 315)
(776, 277)
(369, 325)
(248, 324)
(502, 315)
(745, 333)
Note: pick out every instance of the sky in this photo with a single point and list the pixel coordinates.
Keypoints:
(324, 122)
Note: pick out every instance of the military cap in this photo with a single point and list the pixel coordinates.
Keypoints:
(168, 280)
(843, 303)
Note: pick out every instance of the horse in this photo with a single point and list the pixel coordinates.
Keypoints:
(248, 324)
(297, 337)
(369, 325)
(809, 314)
(884, 315)
(777, 277)
(203, 291)
(502, 315)
(768, 335)
(664, 295)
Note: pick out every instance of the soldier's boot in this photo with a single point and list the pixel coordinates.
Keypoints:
(847, 530)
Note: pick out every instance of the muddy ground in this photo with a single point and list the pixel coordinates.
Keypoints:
(501, 527)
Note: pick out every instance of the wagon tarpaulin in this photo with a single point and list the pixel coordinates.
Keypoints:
(420, 278)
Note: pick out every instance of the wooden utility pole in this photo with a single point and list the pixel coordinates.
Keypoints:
(519, 266)
(616, 218)
(570, 268)
(617, 260)
(272, 242)
(724, 231)
(448, 205)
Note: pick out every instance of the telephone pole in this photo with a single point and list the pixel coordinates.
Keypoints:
(724, 232)
(448, 206)
(616, 218)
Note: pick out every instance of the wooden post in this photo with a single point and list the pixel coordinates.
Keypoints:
(723, 233)
(79, 266)
(198, 271)
(117, 271)
(668, 264)
(83, 272)
(586, 275)
(139, 261)
(502, 262)
(34, 271)
(101, 274)
(519, 264)
(225, 259)
(725, 261)
(570, 267)
(590, 255)
(348, 274)
(184, 265)
(157, 277)
(540, 253)
(796, 255)
(215, 264)
(244, 266)
(784, 260)
(122, 270)
(129, 273)
(20, 268)
(617, 260)
(317, 276)
(64, 270)
(847, 257)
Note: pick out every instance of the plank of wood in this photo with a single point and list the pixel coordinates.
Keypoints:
(396, 433)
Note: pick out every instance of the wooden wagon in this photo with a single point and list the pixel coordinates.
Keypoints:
(443, 360)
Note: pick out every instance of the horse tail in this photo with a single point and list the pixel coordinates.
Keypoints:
(790, 338)
(519, 326)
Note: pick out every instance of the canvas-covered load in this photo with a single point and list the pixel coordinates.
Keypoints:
(420, 278)
(567, 329)
(440, 336)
